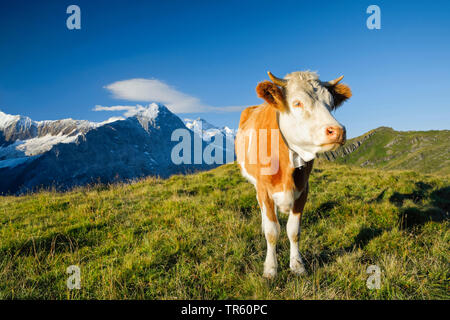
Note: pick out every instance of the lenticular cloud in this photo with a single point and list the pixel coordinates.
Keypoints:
(153, 90)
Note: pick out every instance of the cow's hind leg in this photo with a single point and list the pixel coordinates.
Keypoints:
(271, 229)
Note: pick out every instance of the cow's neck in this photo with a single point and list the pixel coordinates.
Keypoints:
(296, 152)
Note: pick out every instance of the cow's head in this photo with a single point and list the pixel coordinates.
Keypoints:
(305, 104)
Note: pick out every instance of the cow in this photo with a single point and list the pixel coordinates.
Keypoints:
(276, 144)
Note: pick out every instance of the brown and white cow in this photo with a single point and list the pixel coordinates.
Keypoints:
(276, 145)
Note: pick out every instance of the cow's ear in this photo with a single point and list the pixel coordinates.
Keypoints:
(273, 95)
(340, 93)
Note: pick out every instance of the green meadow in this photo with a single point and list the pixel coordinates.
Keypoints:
(199, 237)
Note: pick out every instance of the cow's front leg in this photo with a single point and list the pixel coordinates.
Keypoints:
(293, 231)
(271, 229)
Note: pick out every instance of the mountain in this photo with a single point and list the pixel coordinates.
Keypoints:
(67, 153)
(208, 131)
(423, 151)
(21, 137)
(221, 138)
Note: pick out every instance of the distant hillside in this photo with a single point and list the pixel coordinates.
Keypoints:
(423, 151)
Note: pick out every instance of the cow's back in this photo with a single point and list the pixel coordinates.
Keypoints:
(246, 114)
(253, 119)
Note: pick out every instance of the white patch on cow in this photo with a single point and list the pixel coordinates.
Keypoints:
(247, 176)
(284, 200)
(293, 231)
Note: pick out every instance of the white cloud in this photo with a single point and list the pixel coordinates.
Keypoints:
(129, 110)
(153, 90)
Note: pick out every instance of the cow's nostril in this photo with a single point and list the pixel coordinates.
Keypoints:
(330, 131)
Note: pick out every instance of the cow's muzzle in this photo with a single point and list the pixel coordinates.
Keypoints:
(336, 134)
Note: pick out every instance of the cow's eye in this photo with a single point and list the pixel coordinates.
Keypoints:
(298, 104)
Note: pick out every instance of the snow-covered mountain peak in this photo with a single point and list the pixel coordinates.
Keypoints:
(229, 131)
(156, 116)
(207, 130)
(198, 123)
(20, 135)
(8, 119)
(149, 112)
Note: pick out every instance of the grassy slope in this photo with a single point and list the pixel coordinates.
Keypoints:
(424, 151)
(199, 236)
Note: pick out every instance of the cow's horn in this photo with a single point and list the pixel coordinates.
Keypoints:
(277, 81)
(333, 82)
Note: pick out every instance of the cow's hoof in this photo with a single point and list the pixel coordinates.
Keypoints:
(297, 266)
(270, 272)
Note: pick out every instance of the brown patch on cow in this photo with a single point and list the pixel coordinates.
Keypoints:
(340, 93)
(277, 178)
(264, 199)
(301, 177)
(263, 117)
(272, 94)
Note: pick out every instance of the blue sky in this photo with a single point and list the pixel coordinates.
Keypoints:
(213, 53)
